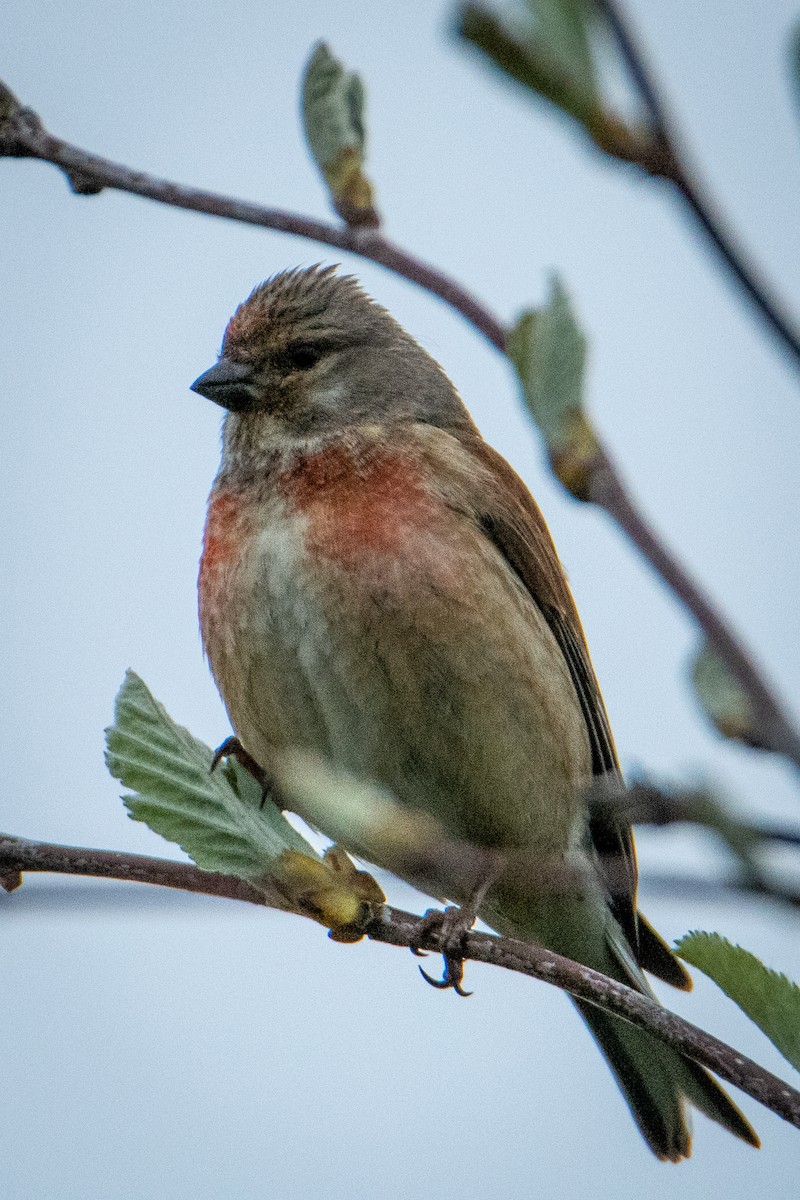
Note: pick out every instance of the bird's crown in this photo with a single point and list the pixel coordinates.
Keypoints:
(313, 304)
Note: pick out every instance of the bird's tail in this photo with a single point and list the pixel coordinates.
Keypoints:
(655, 1079)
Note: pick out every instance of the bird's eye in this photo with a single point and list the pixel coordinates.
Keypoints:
(302, 356)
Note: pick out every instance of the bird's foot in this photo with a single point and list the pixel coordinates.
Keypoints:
(233, 748)
(452, 924)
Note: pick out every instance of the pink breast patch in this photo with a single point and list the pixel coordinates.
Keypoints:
(357, 506)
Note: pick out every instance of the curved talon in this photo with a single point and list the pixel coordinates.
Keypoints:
(233, 748)
(453, 974)
(452, 923)
(230, 748)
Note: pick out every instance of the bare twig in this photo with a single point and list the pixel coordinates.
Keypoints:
(397, 928)
(775, 730)
(660, 884)
(677, 173)
(641, 803)
(21, 854)
(746, 841)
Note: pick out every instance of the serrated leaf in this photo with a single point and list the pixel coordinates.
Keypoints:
(215, 817)
(333, 117)
(723, 699)
(769, 999)
(548, 350)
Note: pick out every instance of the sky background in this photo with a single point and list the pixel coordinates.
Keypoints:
(166, 1045)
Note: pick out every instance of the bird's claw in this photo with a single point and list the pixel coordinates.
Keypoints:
(451, 924)
(233, 748)
(453, 974)
(230, 748)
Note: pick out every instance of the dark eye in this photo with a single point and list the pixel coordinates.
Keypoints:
(301, 356)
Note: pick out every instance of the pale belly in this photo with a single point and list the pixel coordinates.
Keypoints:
(428, 669)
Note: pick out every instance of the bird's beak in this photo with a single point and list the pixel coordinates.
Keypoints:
(229, 384)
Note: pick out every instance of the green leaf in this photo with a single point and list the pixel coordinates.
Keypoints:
(564, 30)
(548, 350)
(769, 999)
(215, 817)
(722, 697)
(548, 51)
(333, 117)
(552, 51)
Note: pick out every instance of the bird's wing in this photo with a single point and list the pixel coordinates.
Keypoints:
(511, 518)
(514, 523)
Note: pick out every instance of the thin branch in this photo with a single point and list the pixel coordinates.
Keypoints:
(677, 173)
(23, 135)
(776, 732)
(661, 884)
(21, 854)
(397, 928)
(642, 803)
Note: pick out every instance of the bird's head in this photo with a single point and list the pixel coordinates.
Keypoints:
(310, 352)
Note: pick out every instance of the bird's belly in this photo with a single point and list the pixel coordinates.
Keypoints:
(431, 672)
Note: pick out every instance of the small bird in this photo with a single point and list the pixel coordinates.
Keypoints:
(378, 586)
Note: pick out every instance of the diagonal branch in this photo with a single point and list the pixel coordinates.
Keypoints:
(775, 731)
(397, 928)
(677, 173)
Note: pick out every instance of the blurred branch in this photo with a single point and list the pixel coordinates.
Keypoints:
(774, 729)
(679, 175)
(651, 146)
(397, 928)
(646, 804)
(714, 891)
(23, 135)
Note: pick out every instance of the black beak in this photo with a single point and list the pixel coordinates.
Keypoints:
(229, 384)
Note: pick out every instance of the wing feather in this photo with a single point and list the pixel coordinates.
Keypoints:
(514, 523)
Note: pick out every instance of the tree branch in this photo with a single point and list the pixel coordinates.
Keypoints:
(22, 135)
(397, 928)
(775, 731)
(676, 172)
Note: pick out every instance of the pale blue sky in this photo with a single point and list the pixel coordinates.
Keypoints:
(190, 1048)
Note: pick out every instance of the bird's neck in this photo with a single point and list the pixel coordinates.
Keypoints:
(260, 453)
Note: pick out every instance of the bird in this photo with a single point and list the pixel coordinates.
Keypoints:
(378, 586)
